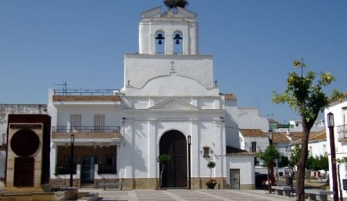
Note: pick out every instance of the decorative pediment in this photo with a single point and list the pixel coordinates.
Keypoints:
(173, 103)
(155, 12)
(181, 13)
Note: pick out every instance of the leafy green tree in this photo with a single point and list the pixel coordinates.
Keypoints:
(305, 95)
(283, 162)
(323, 162)
(269, 156)
(295, 156)
(211, 165)
(162, 160)
(312, 164)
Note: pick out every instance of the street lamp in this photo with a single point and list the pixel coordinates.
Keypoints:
(330, 117)
(189, 172)
(72, 159)
(271, 165)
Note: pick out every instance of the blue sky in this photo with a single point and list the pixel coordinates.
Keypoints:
(254, 43)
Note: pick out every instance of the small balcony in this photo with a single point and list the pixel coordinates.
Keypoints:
(83, 132)
(342, 133)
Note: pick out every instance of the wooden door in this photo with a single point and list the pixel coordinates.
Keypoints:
(174, 143)
(235, 178)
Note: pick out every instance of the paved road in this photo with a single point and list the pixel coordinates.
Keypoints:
(190, 195)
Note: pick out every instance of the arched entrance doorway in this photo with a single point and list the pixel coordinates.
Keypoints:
(174, 143)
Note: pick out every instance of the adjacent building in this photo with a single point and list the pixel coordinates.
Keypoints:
(339, 111)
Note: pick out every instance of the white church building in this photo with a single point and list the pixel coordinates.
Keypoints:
(169, 104)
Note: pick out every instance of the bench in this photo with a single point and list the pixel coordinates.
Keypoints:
(323, 194)
(287, 190)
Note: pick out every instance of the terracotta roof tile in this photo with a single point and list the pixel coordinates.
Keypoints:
(313, 137)
(253, 133)
(280, 138)
(233, 151)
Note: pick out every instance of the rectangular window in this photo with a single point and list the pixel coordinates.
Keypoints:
(110, 160)
(75, 122)
(344, 116)
(254, 146)
(99, 122)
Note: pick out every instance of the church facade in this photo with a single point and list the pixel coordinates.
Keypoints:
(169, 104)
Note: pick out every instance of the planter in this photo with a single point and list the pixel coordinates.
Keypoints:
(210, 185)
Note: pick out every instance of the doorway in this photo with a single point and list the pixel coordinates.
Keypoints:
(174, 143)
(87, 169)
(235, 178)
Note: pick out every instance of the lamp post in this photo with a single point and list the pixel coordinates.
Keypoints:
(271, 165)
(72, 159)
(189, 172)
(330, 118)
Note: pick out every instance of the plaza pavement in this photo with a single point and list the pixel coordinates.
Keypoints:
(188, 195)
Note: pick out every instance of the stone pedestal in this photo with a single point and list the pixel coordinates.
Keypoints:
(24, 155)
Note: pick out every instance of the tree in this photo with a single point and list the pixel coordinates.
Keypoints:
(268, 156)
(176, 3)
(211, 183)
(162, 160)
(305, 95)
(283, 162)
(211, 165)
(323, 162)
(312, 164)
(295, 156)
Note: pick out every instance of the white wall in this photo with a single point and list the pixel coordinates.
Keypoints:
(248, 118)
(340, 147)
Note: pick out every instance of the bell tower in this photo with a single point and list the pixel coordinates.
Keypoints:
(174, 32)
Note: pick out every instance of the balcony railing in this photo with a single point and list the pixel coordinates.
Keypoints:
(342, 132)
(85, 129)
(86, 92)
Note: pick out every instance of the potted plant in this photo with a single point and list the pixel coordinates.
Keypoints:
(211, 183)
(162, 160)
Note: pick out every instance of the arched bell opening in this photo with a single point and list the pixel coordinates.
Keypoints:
(160, 42)
(178, 42)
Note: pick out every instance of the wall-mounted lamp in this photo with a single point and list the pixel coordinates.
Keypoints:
(206, 151)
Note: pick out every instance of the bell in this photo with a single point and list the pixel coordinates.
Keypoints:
(159, 38)
(177, 38)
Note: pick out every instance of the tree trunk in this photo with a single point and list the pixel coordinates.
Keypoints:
(161, 176)
(300, 174)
